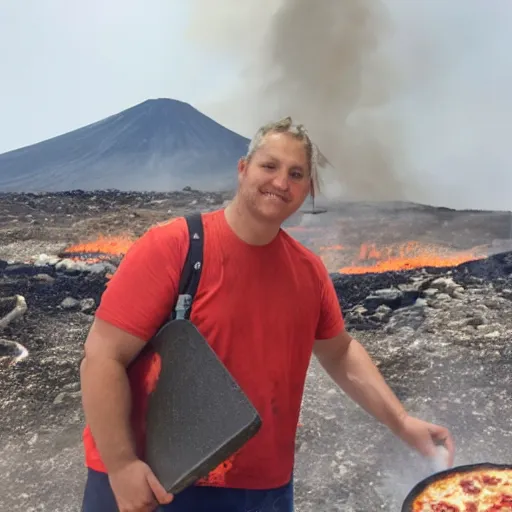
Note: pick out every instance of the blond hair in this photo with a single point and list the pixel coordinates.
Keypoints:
(298, 131)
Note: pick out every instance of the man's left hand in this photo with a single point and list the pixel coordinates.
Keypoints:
(426, 437)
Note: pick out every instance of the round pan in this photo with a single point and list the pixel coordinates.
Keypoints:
(421, 486)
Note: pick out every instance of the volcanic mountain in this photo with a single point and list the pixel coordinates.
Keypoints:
(158, 145)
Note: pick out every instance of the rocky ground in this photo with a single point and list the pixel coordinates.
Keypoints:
(441, 337)
(31, 224)
(448, 356)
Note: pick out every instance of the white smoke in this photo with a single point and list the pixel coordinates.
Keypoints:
(407, 100)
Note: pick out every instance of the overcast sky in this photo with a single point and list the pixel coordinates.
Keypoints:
(65, 63)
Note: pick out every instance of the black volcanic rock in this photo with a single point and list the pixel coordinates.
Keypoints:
(158, 145)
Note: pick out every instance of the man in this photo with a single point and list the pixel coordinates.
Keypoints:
(265, 304)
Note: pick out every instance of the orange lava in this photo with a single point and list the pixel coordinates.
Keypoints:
(407, 256)
(117, 245)
(370, 259)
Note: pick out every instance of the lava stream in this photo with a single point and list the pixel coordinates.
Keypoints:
(97, 249)
(370, 258)
(407, 256)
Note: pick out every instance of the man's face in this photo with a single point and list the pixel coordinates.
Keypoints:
(276, 181)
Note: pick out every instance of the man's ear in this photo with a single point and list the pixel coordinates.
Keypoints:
(242, 166)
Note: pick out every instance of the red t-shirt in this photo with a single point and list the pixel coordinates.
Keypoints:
(261, 309)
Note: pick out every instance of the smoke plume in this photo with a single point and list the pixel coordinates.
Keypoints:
(403, 98)
(321, 64)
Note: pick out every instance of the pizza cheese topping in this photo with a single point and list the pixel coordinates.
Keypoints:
(480, 490)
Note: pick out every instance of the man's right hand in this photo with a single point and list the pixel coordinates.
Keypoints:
(137, 489)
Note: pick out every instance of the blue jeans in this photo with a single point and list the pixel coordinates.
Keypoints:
(98, 497)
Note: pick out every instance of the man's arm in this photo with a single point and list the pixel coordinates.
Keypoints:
(138, 299)
(346, 361)
(106, 393)
(350, 366)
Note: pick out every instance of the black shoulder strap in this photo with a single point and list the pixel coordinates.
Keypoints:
(192, 268)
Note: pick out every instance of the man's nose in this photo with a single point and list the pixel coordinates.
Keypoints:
(280, 180)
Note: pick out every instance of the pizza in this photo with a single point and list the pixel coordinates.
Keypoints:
(478, 490)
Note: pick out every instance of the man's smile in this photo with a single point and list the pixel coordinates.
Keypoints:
(275, 197)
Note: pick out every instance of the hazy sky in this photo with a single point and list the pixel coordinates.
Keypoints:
(445, 73)
(67, 63)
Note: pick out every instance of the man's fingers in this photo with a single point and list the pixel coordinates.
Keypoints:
(449, 445)
(162, 496)
(442, 436)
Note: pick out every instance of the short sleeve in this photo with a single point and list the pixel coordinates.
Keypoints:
(330, 322)
(142, 292)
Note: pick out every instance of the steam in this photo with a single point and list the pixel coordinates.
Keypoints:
(406, 100)
(403, 470)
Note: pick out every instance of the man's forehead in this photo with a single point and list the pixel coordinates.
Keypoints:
(275, 149)
(294, 160)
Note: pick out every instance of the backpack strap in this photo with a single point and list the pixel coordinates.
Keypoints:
(192, 268)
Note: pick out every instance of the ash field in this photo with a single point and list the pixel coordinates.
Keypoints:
(428, 291)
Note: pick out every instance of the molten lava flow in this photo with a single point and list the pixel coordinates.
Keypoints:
(117, 245)
(103, 248)
(371, 258)
(407, 256)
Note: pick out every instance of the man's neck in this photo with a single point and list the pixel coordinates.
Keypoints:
(247, 227)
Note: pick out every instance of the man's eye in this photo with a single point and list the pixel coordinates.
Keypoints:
(269, 166)
(296, 175)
